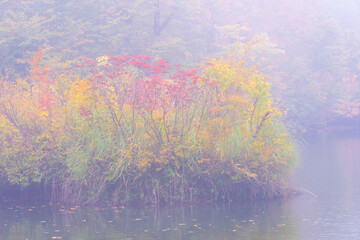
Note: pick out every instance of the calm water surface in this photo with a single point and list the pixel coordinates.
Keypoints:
(330, 170)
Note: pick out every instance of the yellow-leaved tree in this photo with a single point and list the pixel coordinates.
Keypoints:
(245, 129)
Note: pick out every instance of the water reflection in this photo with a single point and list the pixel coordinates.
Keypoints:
(330, 170)
(260, 220)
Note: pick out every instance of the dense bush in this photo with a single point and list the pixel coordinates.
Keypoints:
(133, 130)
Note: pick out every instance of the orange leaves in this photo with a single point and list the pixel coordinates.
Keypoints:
(268, 152)
(42, 82)
(36, 70)
(39, 75)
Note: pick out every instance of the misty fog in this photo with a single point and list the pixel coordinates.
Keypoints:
(163, 119)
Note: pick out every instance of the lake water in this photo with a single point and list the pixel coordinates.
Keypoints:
(330, 170)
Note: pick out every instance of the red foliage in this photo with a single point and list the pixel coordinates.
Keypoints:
(155, 86)
(85, 112)
(41, 78)
(46, 99)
